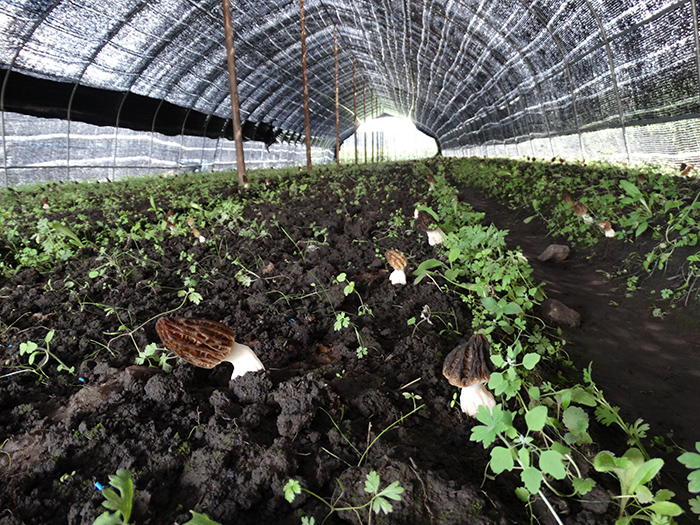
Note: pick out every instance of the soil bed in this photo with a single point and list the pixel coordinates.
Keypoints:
(193, 440)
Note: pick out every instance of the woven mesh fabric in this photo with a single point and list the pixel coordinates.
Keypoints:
(482, 76)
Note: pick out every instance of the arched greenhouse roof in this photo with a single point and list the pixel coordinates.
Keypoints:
(578, 78)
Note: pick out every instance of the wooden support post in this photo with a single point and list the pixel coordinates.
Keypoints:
(235, 106)
(305, 80)
(337, 98)
(354, 104)
(371, 112)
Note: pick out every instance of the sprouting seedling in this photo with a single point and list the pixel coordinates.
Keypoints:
(120, 503)
(34, 351)
(206, 344)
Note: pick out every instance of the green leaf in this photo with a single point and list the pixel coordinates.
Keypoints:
(695, 505)
(523, 494)
(372, 482)
(536, 418)
(694, 481)
(501, 459)
(607, 416)
(531, 360)
(107, 518)
(666, 508)
(490, 304)
(497, 360)
(575, 419)
(690, 459)
(583, 486)
(631, 189)
(393, 491)
(379, 504)
(646, 472)
(604, 461)
(291, 489)
(552, 463)
(200, 519)
(512, 309)
(532, 479)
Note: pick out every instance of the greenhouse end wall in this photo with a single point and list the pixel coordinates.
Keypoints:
(667, 143)
(37, 149)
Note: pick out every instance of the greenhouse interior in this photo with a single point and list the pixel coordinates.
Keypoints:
(449, 250)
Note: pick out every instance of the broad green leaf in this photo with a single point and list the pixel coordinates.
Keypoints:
(666, 508)
(489, 303)
(575, 419)
(690, 460)
(524, 457)
(552, 463)
(582, 397)
(646, 473)
(512, 309)
(631, 189)
(534, 393)
(695, 505)
(532, 479)
(497, 360)
(531, 360)
(694, 481)
(536, 418)
(501, 459)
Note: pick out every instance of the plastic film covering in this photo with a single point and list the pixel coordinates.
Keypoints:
(615, 79)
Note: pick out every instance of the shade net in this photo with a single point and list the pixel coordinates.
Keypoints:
(613, 79)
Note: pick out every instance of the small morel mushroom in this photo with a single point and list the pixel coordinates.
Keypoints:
(245, 182)
(566, 196)
(607, 228)
(468, 367)
(431, 182)
(398, 262)
(45, 203)
(686, 169)
(580, 210)
(428, 225)
(206, 344)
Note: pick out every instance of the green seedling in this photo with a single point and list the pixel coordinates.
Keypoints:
(156, 357)
(378, 500)
(120, 503)
(43, 354)
(692, 461)
(635, 475)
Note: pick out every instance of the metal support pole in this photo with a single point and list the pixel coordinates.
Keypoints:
(235, 107)
(337, 98)
(305, 79)
(364, 112)
(354, 104)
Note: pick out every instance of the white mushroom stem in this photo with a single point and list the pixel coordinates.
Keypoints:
(587, 218)
(436, 237)
(398, 277)
(474, 396)
(610, 232)
(243, 360)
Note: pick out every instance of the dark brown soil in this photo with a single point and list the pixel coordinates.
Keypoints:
(194, 440)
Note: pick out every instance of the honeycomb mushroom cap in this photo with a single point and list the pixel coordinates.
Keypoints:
(579, 209)
(566, 196)
(396, 260)
(200, 342)
(426, 222)
(469, 363)
(431, 179)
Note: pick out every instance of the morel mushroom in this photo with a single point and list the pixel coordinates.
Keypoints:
(431, 182)
(206, 344)
(607, 228)
(468, 367)
(428, 225)
(580, 210)
(398, 262)
(566, 196)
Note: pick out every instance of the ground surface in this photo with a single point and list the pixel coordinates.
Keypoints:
(195, 440)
